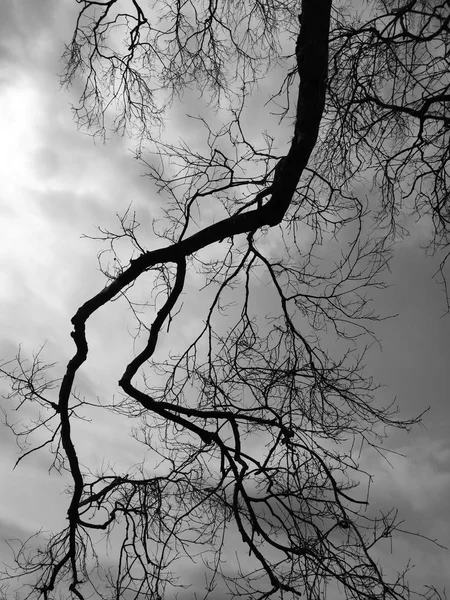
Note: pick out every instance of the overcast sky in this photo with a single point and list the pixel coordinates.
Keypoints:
(56, 184)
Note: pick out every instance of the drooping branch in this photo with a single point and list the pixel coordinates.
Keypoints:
(312, 58)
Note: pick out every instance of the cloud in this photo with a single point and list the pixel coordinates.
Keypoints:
(416, 477)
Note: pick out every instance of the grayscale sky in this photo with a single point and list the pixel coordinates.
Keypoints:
(57, 184)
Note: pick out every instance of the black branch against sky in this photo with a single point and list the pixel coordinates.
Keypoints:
(257, 422)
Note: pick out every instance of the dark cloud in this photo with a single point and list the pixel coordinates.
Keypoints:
(28, 31)
(413, 363)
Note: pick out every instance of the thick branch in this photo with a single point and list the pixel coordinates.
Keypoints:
(312, 59)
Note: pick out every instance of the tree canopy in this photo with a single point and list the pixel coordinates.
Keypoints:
(253, 424)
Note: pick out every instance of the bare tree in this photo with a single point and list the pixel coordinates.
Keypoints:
(258, 422)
